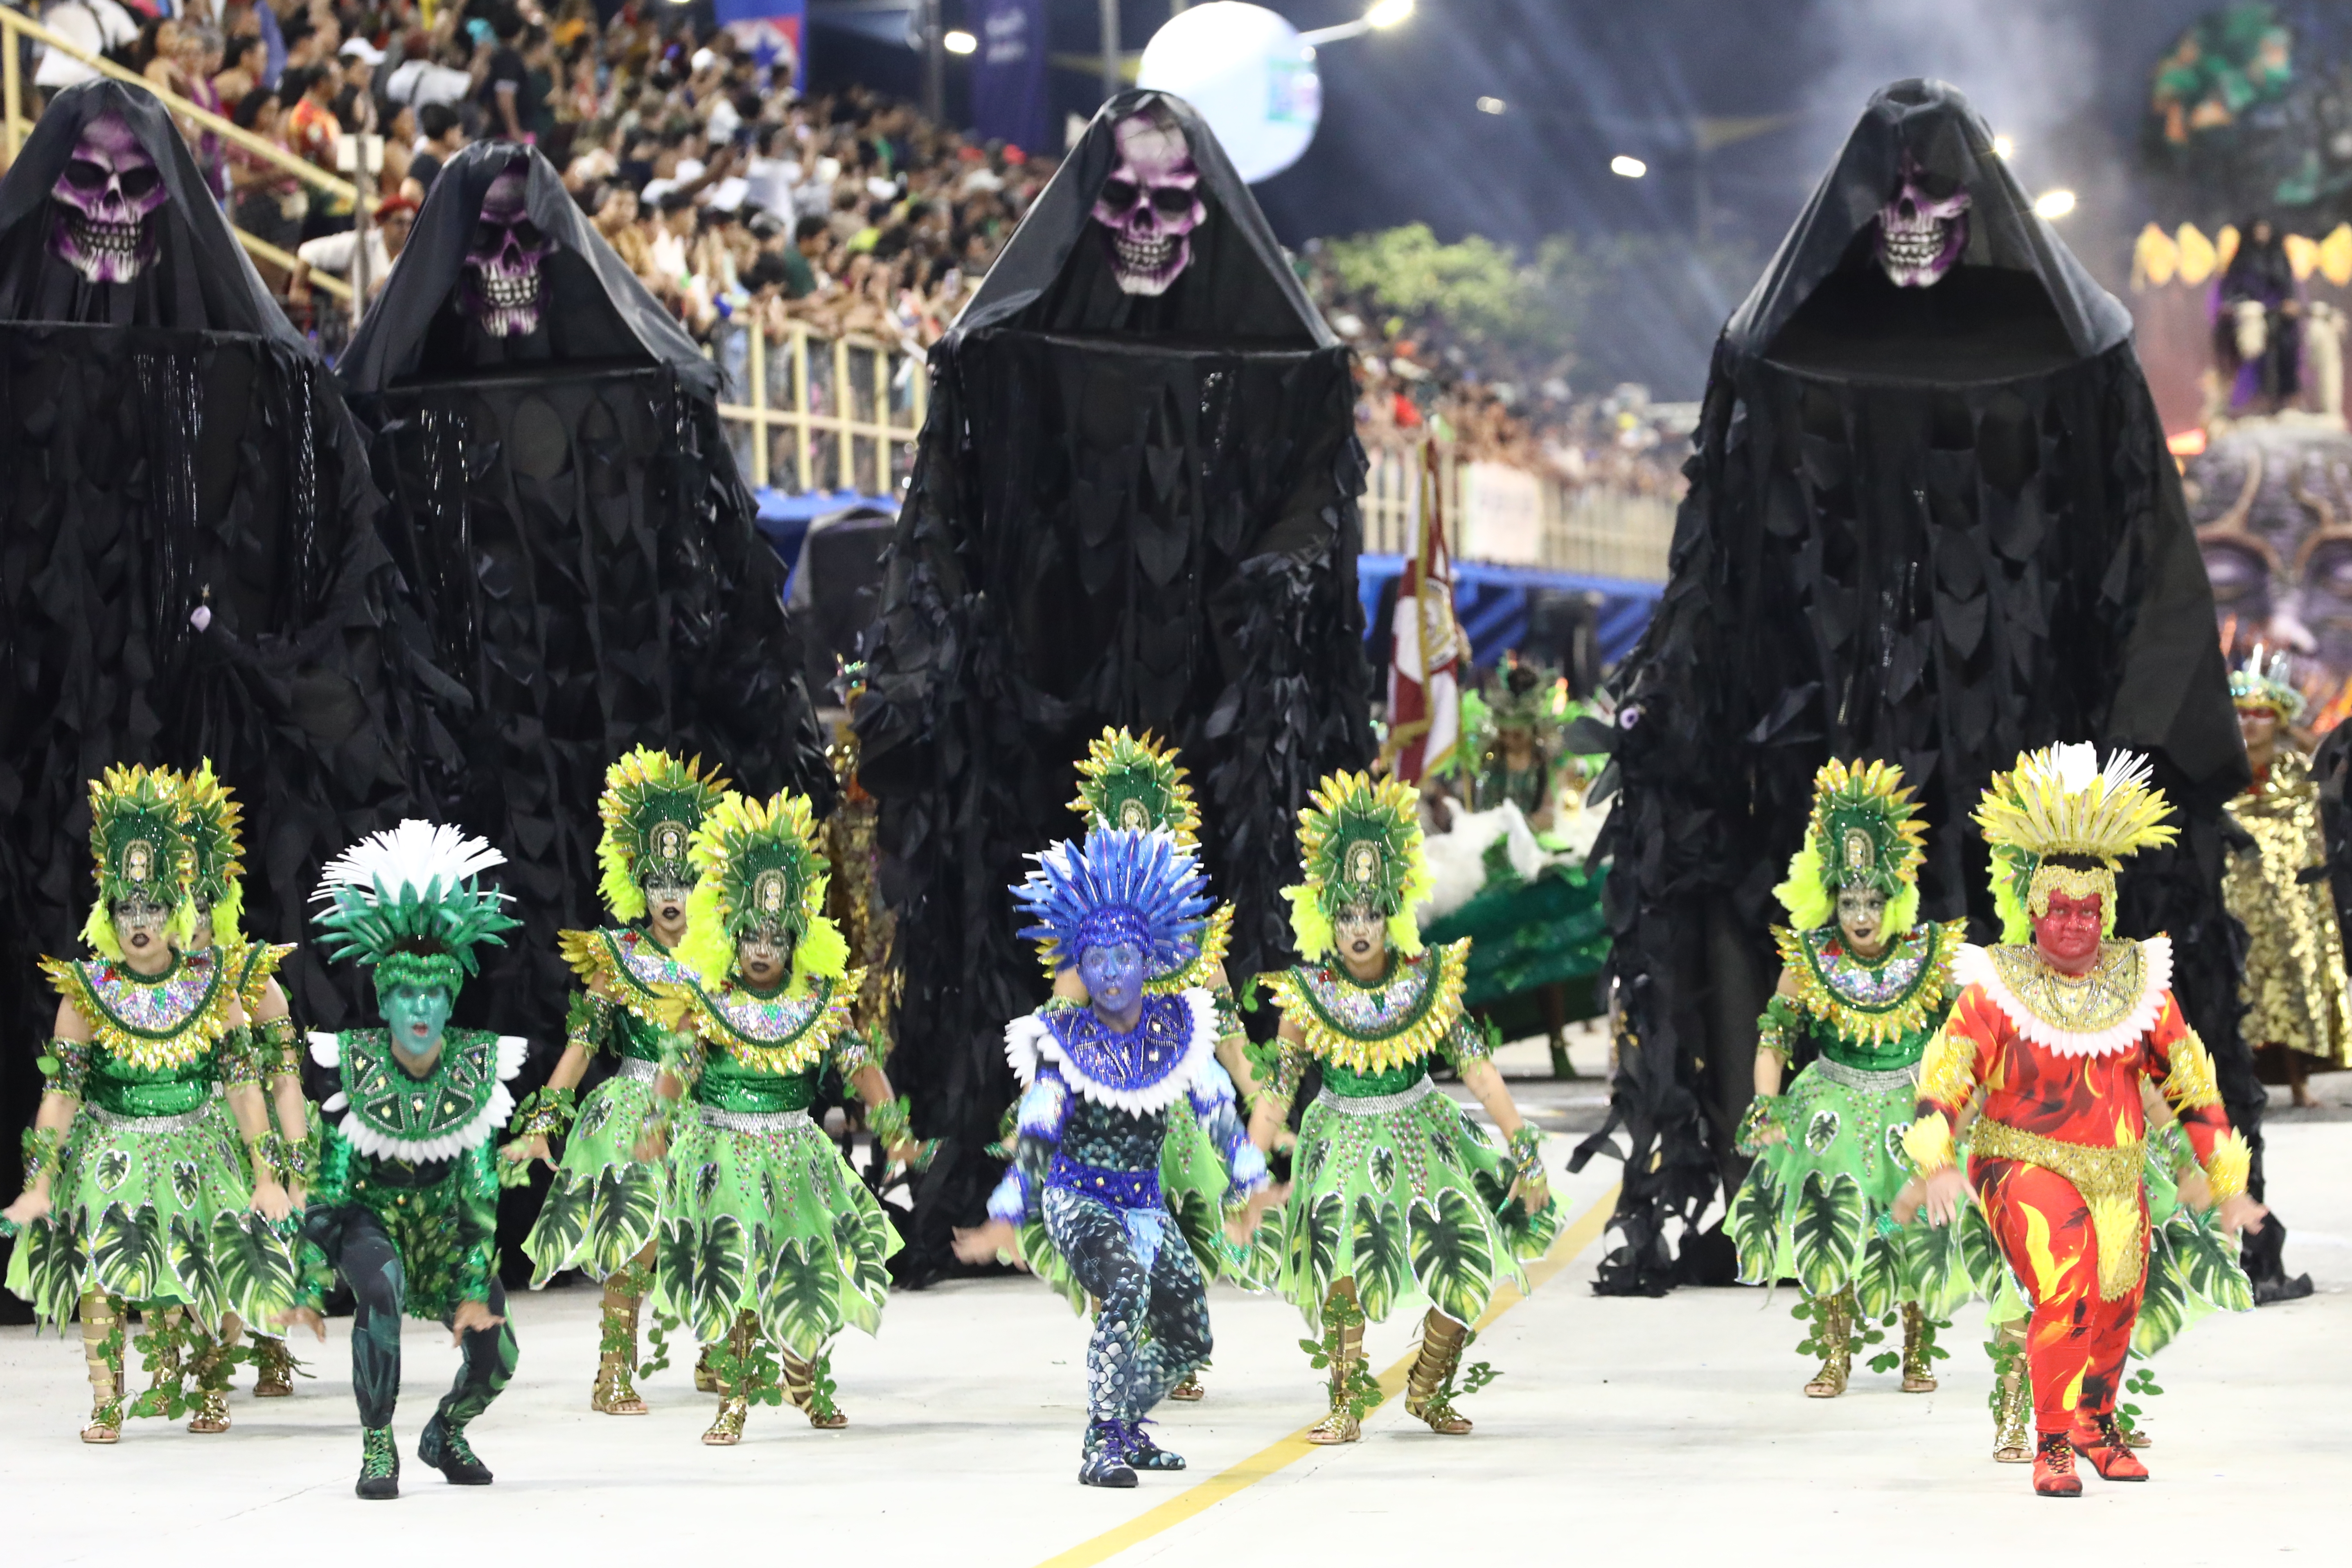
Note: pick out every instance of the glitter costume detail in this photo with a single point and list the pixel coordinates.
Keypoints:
(154, 1023)
(2097, 1014)
(1376, 1029)
(1872, 1003)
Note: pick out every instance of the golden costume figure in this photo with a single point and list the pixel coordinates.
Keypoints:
(2294, 987)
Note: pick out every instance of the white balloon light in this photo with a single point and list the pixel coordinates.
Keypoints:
(1249, 73)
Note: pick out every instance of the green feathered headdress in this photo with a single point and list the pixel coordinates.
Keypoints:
(1359, 843)
(213, 820)
(1135, 786)
(1864, 833)
(408, 904)
(650, 808)
(141, 846)
(758, 865)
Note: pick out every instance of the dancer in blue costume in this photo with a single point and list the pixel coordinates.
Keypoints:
(1098, 1082)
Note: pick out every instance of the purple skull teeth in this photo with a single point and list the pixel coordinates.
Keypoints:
(503, 284)
(109, 190)
(1921, 236)
(1149, 205)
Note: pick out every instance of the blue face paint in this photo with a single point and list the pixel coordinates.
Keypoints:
(1114, 977)
(416, 1015)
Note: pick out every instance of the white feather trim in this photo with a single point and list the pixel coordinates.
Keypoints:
(325, 1049)
(416, 854)
(512, 1049)
(1972, 965)
(1030, 1040)
(425, 1151)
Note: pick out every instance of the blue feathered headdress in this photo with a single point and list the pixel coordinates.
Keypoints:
(1118, 885)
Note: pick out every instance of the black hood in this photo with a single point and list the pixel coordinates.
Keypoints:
(1054, 275)
(596, 311)
(199, 280)
(1932, 125)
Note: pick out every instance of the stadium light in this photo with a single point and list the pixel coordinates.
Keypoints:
(2053, 205)
(1491, 106)
(960, 42)
(1382, 16)
(1628, 168)
(2003, 148)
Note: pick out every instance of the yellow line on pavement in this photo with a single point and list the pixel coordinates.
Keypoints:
(1294, 1447)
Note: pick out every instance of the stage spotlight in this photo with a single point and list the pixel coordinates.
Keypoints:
(960, 43)
(1628, 168)
(2054, 204)
(2002, 147)
(1491, 106)
(1388, 13)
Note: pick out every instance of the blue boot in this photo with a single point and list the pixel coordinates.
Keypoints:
(1105, 1462)
(1144, 1453)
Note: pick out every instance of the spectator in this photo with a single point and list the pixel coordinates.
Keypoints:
(95, 27)
(502, 93)
(245, 60)
(310, 130)
(268, 202)
(355, 100)
(333, 254)
(420, 80)
(442, 137)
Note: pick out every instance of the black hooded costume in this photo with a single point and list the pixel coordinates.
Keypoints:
(569, 504)
(1935, 525)
(190, 569)
(1125, 509)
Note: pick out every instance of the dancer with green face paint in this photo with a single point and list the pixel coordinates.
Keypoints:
(405, 1203)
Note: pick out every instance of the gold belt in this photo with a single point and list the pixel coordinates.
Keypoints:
(2111, 1180)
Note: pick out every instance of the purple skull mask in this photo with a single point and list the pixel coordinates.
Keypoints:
(1920, 233)
(503, 286)
(1149, 205)
(109, 190)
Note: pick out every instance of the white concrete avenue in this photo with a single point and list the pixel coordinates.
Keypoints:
(1620, 1431)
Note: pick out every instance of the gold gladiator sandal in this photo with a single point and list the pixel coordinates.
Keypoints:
(1189, 1391)
(706, 1378)
(274, 1365)
(734, 1403)
(101, 1351)
(2012, 1411)
(615, 1393)
(1918, 1339)
(1833, 1336)
(802, 1386)
(1429, 1387)
(1343, 1344)
(215, 1359)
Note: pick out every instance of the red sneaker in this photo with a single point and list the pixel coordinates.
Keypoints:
(2054, 1467)
(2101, 1441)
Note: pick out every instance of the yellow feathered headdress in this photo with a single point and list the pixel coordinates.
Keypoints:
(2060, 801)
(1864, 832)
(757, 864)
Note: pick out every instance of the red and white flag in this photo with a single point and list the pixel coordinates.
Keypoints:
(1424, 695)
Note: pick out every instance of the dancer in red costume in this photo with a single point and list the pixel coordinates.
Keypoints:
(2058, 1032)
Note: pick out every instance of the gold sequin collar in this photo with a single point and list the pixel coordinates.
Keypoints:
(2096, 1014)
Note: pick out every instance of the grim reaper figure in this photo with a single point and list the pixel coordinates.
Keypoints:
(1134, 503)
(1931, 519)
(562, 491)
(192, 569)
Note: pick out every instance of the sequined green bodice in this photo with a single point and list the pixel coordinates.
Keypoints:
(1903, 1051)
(638, 1040)
(1346, 1083)
(121, 1088)
(727, 1084)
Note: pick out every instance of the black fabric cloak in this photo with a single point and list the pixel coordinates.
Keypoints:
(594, 579)
(1125, 510)
(1937, 526)
(171, 453)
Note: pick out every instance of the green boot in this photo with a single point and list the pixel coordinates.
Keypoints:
(379, 1465)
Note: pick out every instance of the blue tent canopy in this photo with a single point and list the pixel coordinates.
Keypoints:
(1492, 604)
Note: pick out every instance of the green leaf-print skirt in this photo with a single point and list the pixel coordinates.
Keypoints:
(1407, 1200)
(603, 1202)
(157, 1211)
(773, 1222)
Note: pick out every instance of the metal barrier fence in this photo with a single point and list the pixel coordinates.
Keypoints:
(16, 31)
(813, 413)
(1534, 521)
